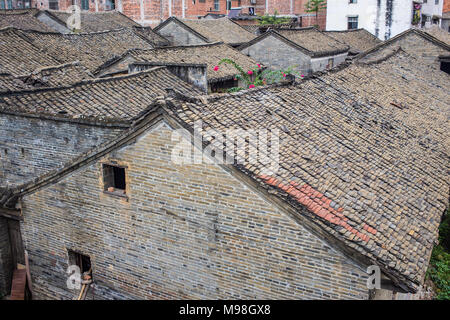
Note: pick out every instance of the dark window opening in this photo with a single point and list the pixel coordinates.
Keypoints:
(110, 5)
(445, 66)
(114, 178)
(53, 4)
(223, 86)
(80, 260)
(352, 23)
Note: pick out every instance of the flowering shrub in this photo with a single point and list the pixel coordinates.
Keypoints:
(257, 76)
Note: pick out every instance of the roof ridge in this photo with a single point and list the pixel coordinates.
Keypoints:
(81, 83)
(417, 31)
(79, 33)
(59, 66)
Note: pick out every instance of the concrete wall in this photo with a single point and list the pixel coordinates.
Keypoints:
(31, 147)
(445, 24)
(183, 232)
(276, 54)
(193, 74)
(385, 20)
(47, 20)
(6, 266)
(179, 36)
(322, 63)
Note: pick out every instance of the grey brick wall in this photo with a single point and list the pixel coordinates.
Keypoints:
(276, 54)
(179, 36)
(185, 231)
(30, 147)
(6, 266)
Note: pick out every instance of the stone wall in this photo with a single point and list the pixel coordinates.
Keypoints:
(276, 54)
(31, 147)
(179, 36)
(180, 232)
(6, 266)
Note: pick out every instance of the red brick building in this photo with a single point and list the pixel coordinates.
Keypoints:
(446, 6)
(153, 12)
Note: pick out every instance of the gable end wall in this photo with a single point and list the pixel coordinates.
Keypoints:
(185, 232)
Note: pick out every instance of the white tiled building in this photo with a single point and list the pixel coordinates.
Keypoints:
(383, 18)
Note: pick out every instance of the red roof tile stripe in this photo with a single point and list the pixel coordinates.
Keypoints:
(318, 204)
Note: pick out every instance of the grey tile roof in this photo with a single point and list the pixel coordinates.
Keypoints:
(209, 54)
(364, 150)
(424, 45)
(97, 21)
(91, 49)
(117, 99)
(22, 19)
(359, 40)
(18, 56)
(61, 75)
(11, 83)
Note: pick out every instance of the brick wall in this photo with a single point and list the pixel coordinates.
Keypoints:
(6, 266)
(185, 231)
(277, 54)
(446, 7)
(30, 147)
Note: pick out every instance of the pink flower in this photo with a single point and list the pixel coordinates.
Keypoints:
(250, 72)
(302, 76)
(216, 68)
(251, 86)
(284, 75)
(259, 66)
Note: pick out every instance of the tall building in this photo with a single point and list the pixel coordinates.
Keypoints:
(383, 18)
(153, 12)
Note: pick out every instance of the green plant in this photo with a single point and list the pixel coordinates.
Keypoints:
(257, 76)
(439, 268)
(315, 6)
(273, 19)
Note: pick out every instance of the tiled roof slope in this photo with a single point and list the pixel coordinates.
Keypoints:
(414, 94)
(97, 21)
(359, 40)
(312, 39)
(362, 169)
(156, 39)
(11, 83)
(61, 75)
(415, 42)
(22, 19)
(209, 54)
(101, 100)
(54, 76)
(91, 49)
(439, 33)
(18, 56)
(222, 30)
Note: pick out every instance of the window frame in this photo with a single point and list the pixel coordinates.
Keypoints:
(108, 182)
(349, 22)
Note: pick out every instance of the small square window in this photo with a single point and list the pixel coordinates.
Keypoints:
(80, 260)
(114, 178)
(352, 23)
